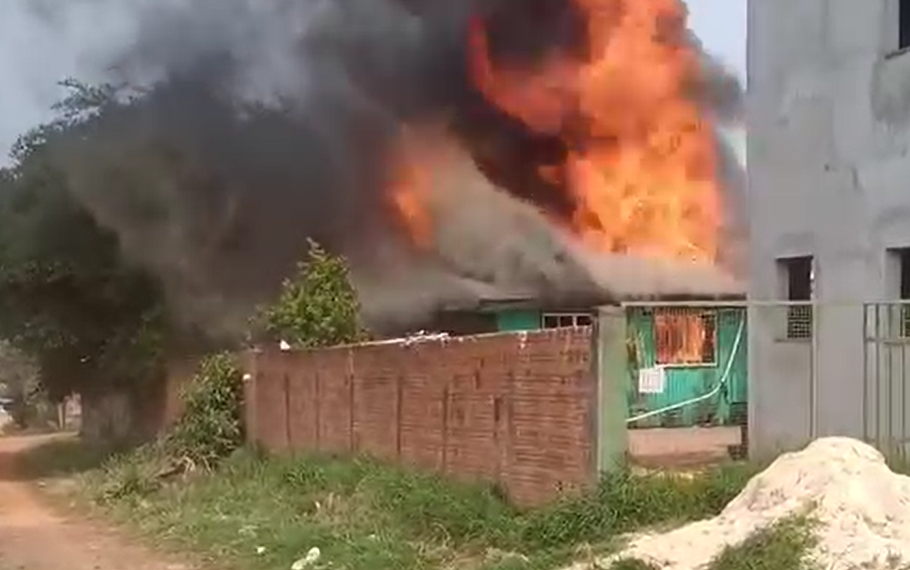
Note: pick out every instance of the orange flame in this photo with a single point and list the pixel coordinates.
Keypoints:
(683, 338)
(411, 206)
(643, 169)
(409, 187)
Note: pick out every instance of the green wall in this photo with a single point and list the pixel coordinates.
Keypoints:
(684, 383)
(518, 320)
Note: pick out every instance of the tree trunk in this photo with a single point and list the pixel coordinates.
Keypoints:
(107, 416)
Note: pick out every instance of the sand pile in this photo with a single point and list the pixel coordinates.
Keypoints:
(861, 507)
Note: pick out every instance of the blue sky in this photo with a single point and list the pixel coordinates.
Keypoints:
(29, 82)
(721, 24)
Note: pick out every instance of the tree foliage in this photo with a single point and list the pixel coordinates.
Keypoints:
(68, 298)
(317, 306)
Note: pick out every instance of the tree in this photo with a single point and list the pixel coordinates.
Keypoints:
(318, 306)
(68, 298)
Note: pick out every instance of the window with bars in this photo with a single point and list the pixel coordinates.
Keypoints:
(561, 320)
(685, 336)
(901, 263)
(799, 282)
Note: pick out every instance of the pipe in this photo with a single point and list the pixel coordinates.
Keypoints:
(714, 391)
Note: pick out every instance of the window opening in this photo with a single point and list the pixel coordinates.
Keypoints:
(799, 276)
(903, 19)
(685, 336)
(563, 320)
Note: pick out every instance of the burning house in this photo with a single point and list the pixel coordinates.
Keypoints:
(453, 151)
(687, 340)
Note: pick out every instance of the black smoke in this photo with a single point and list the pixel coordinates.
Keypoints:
(244, 127)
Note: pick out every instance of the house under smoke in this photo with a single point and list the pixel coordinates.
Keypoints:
(686, 336)
(618, 280)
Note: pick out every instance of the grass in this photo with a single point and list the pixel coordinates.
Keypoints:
(783, 546)
(259, 513)
(64, 456)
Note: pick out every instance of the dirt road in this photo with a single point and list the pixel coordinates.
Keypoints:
(35, 537)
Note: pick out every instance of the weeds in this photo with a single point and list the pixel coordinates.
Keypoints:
(632, 564)
(265, 512)
(64, 456)
(783, 546)
(624, 502)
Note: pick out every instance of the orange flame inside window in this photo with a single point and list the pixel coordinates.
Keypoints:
(684, 337)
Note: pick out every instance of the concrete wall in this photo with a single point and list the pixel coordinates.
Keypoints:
(828, 116)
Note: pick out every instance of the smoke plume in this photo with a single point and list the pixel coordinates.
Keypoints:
(246, 126)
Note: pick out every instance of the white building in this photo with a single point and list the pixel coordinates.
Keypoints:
(828, 115)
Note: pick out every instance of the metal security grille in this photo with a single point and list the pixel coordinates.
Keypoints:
(684, 335)
(799, 322)
(563, 320)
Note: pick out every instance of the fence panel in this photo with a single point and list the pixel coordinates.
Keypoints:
(886, 399)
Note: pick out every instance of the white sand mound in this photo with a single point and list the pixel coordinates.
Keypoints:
(861, 507)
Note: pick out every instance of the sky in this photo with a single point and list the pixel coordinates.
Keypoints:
(31, 63)
(721, 25)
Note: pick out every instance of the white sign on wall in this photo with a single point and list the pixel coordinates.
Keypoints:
(652, 380)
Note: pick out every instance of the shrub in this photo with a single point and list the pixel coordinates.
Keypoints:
(211, 426)
(317, 306)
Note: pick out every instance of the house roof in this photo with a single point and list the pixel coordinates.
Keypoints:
(617, 279)
(627, 278)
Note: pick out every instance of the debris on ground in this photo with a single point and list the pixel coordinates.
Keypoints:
(312, 557)
(860, 512)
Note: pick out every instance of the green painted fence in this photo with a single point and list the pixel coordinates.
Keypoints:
(724, 372)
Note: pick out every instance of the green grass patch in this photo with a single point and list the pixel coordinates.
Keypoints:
(64, 456)
(263, 513)
(632, 564)
(783, 546)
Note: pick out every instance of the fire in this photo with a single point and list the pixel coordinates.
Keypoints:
(409, 193)
(683, 337)
(407, 197)
(642, 166)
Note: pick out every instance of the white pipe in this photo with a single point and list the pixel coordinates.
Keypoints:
(714, 391)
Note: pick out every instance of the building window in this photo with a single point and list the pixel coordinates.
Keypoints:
(899, 259)
(685, 336)
(799, 282)
(562, 320)
(903, 22)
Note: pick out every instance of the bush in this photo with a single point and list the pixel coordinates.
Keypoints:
(317, 307)
(211, 426)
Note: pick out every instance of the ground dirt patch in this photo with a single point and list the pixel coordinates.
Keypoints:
(34, 536)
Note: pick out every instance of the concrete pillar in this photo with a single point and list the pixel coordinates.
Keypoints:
(612, 406)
